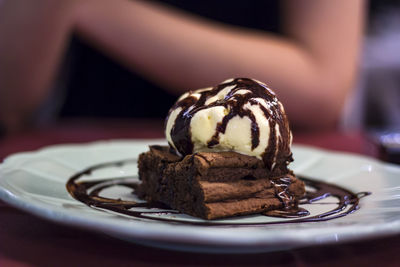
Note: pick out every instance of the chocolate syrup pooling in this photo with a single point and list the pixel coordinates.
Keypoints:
(89, 194)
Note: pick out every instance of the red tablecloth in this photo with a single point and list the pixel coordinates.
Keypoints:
(26, 240)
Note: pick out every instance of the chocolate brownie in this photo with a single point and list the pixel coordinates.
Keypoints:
(213, 185)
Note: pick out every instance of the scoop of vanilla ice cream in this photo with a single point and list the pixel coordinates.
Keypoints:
(241, 115)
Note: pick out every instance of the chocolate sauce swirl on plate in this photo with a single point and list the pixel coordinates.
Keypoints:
(89, 193)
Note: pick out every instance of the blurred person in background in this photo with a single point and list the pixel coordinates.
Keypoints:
(132, 58)
(375, 103)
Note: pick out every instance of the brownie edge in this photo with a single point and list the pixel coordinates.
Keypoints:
(212, 185)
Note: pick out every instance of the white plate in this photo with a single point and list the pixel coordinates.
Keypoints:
(35, 182)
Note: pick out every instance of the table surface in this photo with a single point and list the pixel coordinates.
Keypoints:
(26, 240)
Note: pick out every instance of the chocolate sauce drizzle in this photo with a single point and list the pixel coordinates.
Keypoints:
(89, 193)
(278, 149)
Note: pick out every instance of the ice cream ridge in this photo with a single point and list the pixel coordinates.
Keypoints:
(228, 155)
(241, 115)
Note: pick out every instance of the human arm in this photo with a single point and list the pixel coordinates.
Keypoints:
(33, 36)
(312, 68)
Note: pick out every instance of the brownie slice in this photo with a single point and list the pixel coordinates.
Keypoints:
(214, 185)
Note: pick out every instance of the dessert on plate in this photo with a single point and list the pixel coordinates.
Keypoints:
(228, 154)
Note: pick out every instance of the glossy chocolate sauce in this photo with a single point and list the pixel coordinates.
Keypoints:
(278, 149)
(89, 193)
